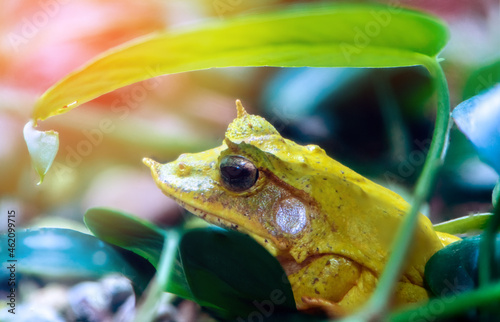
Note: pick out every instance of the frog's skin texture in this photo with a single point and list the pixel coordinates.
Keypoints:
(330, 228)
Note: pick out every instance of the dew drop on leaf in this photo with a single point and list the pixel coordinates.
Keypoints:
(42, 147)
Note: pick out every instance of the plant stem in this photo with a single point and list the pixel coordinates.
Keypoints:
(487, 254)
(450, 305)
(379, 301)
(147, 309)
(487, 249)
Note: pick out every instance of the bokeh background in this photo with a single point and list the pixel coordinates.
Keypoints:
(379, 122)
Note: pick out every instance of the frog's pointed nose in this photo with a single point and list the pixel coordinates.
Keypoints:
(152, 164)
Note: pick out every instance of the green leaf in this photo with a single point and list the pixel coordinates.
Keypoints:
(482, 79)
(332, 35)
(127, 231)
(454, 268)
(233, 275)
(65, 254)
(139, 236)
(464, 225)
(42, 147)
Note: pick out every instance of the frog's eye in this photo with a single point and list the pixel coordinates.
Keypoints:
(238, 173)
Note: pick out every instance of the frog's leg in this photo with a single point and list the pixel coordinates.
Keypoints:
(406, 293)
(322, 281)
(338, 286)
(331, 309)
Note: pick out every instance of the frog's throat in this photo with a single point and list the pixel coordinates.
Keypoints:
(221, 222)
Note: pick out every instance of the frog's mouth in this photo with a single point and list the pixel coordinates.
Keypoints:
(224, 223)
(271, 243)
(209, 217)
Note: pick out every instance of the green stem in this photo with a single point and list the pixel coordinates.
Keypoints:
(449, 305)
(487, 249)
(487, 255)
(146, 311)
(380, 300)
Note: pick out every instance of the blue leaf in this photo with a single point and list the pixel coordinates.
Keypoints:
(64, 254)
(479, 119)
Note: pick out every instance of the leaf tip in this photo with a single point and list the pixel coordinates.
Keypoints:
(42, 147)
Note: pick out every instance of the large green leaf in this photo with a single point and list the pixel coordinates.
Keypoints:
(454, 269)
(330, 35)
(127, 231)
(232, 275)
(139, 236)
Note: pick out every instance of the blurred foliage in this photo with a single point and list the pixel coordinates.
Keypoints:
(482, 79)
(387, 123)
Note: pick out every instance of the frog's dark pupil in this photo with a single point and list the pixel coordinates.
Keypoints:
(238, 173)
(233, 171)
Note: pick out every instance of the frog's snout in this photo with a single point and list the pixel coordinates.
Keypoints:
(170, 173)
(152, 164)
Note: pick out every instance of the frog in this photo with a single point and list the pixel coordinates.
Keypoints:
(330, 228)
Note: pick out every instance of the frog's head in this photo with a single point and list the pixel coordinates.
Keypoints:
(255, 182)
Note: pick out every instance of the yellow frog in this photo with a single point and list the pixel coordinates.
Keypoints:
(329, 227)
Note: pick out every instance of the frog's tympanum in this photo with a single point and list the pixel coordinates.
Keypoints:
(329, 227)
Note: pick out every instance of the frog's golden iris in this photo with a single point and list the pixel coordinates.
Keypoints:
(329, 227)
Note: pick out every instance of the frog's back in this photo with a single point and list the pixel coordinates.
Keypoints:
(362, 216)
